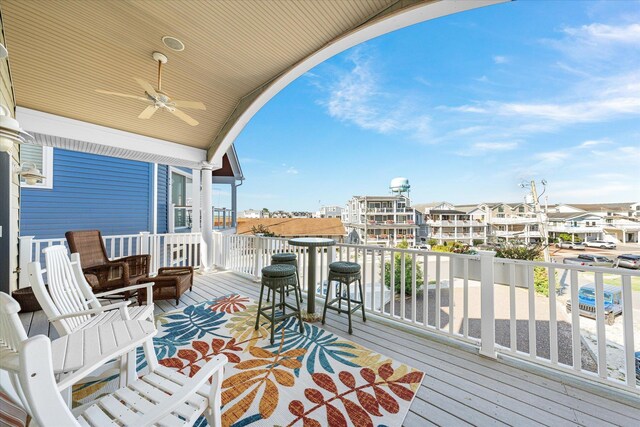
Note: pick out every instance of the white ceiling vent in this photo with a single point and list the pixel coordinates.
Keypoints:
(173, 43)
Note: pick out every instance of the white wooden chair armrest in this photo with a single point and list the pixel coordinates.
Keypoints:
(131, 288)
(128, 288)
(120, 305)
(190, 387)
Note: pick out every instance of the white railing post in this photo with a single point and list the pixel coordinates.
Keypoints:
(24, 258)
(257, 261)
(171, 218)
(487, 312)
(144, 243)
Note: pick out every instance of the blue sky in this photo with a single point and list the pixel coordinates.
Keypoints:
(466, 106)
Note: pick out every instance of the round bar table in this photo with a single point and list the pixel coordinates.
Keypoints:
(312, 243)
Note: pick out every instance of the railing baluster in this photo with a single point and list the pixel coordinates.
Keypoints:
(465, 296)
(403, 279)
(451, 294)
(382, 280)
(627, 319)
(437, 305)
(532, 312)
(425, 291)
(373, 280)
(600, 319)
(513, 321)
(553, 324)
(392, 302)
(575, 323)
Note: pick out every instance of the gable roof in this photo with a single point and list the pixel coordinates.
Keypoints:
(289, 227)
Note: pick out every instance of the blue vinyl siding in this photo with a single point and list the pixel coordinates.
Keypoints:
(163, 196)
(90, 192)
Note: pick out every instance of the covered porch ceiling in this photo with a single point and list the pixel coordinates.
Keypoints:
(238, 55)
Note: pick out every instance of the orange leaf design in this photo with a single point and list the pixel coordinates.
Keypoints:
(190, 355)
(368, 375)
(269, 399)
(410, 378)
(290, 363)
(401, 391)
(314, 395)
(201, 346)
(347, 379)
(252, 363)
(335, 417)
(261, 353)
(308, 422)
(283, 377)
(369, 403)
(296, 408)
(241, 377)
(172, 362)
(357, 415)
(296, 352)
(386, 400)
(325, 381)
(232, 392)
(233, 414)
(385, 371)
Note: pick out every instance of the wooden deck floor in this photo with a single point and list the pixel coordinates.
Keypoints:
(460, 388)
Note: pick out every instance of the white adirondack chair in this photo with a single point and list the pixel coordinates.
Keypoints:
(70, 304)
(162, 397)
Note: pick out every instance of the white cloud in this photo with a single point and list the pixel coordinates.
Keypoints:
(499, 59)
(291, 171)
(495, 146)
(552, 156)
(356, 97)
(592, 33)
(595, 142)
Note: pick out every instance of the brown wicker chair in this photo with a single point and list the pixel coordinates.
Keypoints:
(101, 273)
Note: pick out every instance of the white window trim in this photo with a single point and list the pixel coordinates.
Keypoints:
(47, 171)
(173, 170)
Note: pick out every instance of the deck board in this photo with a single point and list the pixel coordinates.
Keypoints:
(460, 387)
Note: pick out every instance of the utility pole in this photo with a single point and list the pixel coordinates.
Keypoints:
(542, 219)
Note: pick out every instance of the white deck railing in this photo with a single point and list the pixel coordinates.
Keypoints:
(166, 250)
(463, 294)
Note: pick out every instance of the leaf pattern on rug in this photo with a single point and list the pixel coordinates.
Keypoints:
(230, 304)
(309, 380)
(360, 402)
(242, 388)
(195, 321)
(321, 346)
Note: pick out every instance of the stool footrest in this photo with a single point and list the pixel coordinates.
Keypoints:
(355, 304)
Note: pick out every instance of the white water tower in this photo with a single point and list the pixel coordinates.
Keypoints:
(400, 186)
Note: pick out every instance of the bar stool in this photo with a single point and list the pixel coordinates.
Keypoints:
(289, 259)
(345, 273)
(278, 278)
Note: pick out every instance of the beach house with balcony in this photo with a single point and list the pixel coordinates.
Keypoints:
(442, 362)
(383, 220)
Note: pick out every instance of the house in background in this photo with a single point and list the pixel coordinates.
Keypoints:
(330, 212)
(117, 196)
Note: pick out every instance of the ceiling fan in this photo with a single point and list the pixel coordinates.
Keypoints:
(159, 99)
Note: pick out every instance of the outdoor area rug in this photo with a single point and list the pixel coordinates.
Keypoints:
(311, 379)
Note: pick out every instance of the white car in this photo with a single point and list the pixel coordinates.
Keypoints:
(600, 244)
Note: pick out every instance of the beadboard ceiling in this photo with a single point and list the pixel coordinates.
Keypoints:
(62, 51)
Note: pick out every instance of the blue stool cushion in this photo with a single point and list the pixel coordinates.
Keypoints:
(344, 267)
(278, 270)
(283, 257)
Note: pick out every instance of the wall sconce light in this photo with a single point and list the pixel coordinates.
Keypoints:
(10, 131)
(30, 173)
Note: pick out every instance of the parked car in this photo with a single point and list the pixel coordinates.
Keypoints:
(590, 260)
(570, 245)
(638, 365)
(628, 261)
(587, 302)
(600, 244)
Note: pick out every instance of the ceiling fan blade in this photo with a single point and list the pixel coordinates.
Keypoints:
(184, 116)
(124, 95)
(190, 104)
(147, 87)
(148, 112)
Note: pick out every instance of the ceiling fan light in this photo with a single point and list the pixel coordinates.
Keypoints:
(30, 173)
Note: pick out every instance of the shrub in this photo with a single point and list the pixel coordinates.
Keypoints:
(478, 242)
(529, 253)
(568, 237)
(432, 242)
(398, 272)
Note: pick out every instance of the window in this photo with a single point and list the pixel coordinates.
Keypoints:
(42, 158)
(181, 197)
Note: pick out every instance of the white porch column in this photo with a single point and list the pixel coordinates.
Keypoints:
(195, 203)
(234, 204)
(207, 218)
